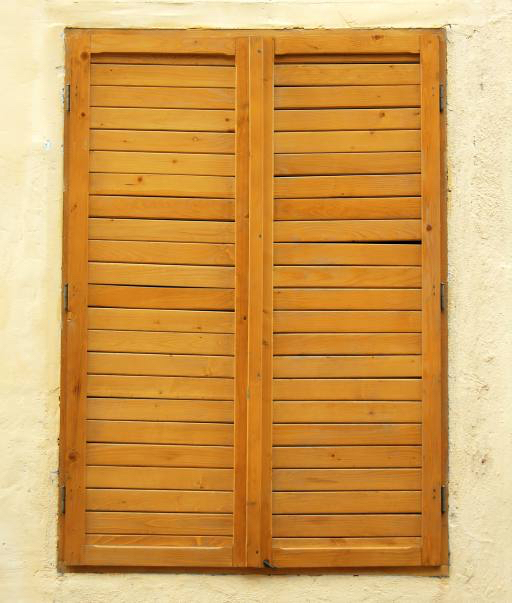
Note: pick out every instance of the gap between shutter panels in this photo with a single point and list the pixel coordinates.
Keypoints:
(347, 270)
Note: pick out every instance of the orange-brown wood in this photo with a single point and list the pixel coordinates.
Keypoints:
(431, 304)
(75, 277)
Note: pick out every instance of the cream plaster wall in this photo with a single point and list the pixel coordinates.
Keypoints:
(480, 315)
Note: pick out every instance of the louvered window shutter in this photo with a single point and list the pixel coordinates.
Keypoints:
(252, 347)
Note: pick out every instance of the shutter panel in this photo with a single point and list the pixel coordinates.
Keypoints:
(252, 352)
(356, 343)
(156, 330)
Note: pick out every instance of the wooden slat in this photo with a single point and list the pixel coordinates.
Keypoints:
(160, 364)
(314, 543)
(161, 184)
(147, 342)
(169, 501)
(182, 208)
(148, 455)
(161, 97)
(346, 75)
(347, 230)
(345, 479)
(216, 388)
(168, 142)
(312, 97)
(185, 120)
(431, 316)
(347, 412)
(346, 502)
(346, 525)
(158, 556)
(148, 540)
(346, 119)
(178, 298)
(346, 457)
(163, 75)
(144, 409)
(160, 275)
(196, 524)
(159, 478)
(159, 432)
(325, 434)
(347, 41)
(147, 41)
(161, 252)
(161, 230)
(346, 321)
(301, 344)
(331, 276)
(346, 366)
(347, 389)
(347, 186)
(345, 253)
(164, 163)
(161, 320)
(348, 209)
(348, 557)
(340, 163)
(347, 299)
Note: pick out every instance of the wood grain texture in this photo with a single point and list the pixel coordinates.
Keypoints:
(289, 97)
(159, 478)
(167, 142)
(196, 524)
(347, 412)
(347, 556)
(347, 230)
(346, 457)
(163, 75)
(346, 75)
(318, 480)
(159, 432)
(159, 97)
(324, 344)
(346, 525)
(158, 455)
(181, 208)
(193, 556)
(326, 276)
(356, 141)
(431, 315)
(161, 320)
(75, 276)
(152, 409)
(347, 299)
(371, 254)
(346, 119)
(166, 298)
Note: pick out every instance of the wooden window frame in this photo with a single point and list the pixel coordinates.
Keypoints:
(250, 45)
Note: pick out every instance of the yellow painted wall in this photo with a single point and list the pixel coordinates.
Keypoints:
(480, 315)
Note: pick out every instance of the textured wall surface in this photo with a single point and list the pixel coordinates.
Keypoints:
(480, 305)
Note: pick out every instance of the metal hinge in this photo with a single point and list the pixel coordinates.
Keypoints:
(65, 297)
(267, 563)
(67, 98)
(62, 500)
(443, 296)
(441, 97)
(443, 499)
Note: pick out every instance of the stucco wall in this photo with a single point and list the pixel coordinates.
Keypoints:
(480, 315)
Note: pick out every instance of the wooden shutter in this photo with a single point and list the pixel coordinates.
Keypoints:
(252, 342)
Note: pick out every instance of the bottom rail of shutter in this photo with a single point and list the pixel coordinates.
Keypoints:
(156, 556)
(347, 556)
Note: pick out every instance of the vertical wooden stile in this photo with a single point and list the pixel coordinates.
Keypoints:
(431, 307)
(260, 305)
(75, 344)
(241, 298)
